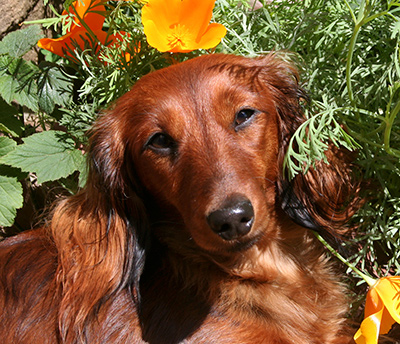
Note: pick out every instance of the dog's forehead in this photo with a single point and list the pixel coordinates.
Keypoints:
(200, 93)
(203, 80)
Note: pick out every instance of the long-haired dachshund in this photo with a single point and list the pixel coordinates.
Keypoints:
(187, 230)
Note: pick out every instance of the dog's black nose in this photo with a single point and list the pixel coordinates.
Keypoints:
(234, 219)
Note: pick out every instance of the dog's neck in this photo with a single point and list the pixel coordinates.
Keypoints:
(269, 261)
(255, 286)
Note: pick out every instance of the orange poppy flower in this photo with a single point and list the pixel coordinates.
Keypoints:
(382, 310)
(181, 25)
(78, 33)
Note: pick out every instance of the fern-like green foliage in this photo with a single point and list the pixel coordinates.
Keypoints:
(310, 141)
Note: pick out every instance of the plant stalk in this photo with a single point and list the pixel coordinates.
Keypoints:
(369, 280)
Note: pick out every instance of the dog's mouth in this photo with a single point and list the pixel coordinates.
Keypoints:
(238, 259)
(244, 244)
(232, 248)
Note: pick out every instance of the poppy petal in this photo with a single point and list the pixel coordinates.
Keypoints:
(375, 304)
(164, 13)
(56, 45)
(381, 310)
(389, 291)
(59, 46)
(196, 15)
(368, 333)
(95, 20)
(212, 36)
(52, 45)
(155, 37)
(86, 10)
(81, 7)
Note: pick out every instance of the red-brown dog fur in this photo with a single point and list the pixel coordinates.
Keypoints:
(132, 259)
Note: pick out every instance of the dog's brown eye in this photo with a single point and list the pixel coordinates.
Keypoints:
(161, 143)
(243, 118)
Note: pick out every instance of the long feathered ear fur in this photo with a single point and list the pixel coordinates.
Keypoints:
(324, 198)
(100, 233)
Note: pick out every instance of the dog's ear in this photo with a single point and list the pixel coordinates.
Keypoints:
(112, 174)
(324, 198)
(101, 233)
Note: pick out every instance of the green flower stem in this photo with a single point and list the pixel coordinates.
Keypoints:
(88, 29)
(363, 18)
(389, 124)
(351, 11)
(369, 280)
(350, 54)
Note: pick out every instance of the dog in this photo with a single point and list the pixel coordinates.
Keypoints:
(188, 230)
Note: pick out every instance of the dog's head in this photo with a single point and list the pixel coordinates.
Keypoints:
(201, 144)
(192, 156)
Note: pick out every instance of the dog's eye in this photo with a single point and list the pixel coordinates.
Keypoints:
(161, 143)
(243, 118)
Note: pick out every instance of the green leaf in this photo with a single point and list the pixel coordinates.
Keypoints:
(50, 154)
(5, 61)
(18, 43)
(10, 189)
(83, 174)
(18, 84)
(6, 145)
(9, 123)
(10, 199)
(54, 87)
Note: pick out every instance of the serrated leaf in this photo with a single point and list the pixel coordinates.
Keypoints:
(53, 87)
(10, 199)
(8, 90)
(19, 84)
(9, 123)
(22, 69)
(6, 145)
(50, 154)
(5, 61)
(18, 43)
